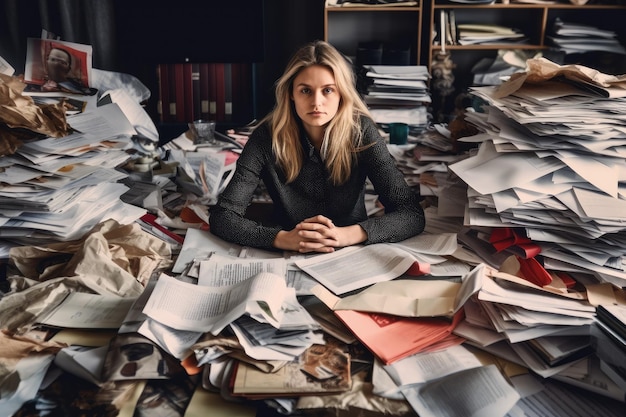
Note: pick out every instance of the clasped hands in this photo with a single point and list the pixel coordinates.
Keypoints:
(319, 234)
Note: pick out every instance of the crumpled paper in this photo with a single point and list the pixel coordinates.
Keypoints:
(112, 259)
(19, 114)
(542, 69)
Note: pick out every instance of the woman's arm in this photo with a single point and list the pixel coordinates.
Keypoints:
(404, 216)
(227, 218)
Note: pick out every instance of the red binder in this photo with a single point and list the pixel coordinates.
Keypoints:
(195, 91)
(220, 98)
(205, 83)
(212, 92)
(163, 103)
(188, 92)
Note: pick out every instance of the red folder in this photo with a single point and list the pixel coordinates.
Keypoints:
(392, 338)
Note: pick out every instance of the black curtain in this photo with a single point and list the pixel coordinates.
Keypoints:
(82, 21)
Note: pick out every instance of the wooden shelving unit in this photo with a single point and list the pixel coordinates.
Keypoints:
(534, 20)
(346, 26)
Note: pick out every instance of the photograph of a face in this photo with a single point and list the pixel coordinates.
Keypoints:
(53, 66)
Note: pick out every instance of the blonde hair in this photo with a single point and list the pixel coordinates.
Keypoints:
(342, 137)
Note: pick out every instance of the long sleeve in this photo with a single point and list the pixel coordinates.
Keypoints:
(404, 216)
(227, 219)
(312, 193)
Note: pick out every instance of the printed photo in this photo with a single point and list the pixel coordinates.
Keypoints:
(53, 66)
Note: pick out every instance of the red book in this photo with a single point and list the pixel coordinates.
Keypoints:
(212, 92)
(163, 103)
(175, 72)
(228, 90)
(204, 91)
(220, 99)
(188, 92)
(195, 91)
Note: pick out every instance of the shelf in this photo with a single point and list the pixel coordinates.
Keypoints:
(347, 27)
(488, 47)
(535, 21)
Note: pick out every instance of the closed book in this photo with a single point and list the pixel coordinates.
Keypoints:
(188, 92)
(220, 96)
(174, 81)
(235, 69)
(228, 90)
(163, 103)
(204, 91)
(195, 91)
(212, 91)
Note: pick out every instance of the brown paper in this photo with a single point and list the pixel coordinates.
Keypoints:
(19, 113)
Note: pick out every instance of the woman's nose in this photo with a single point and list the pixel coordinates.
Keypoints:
(318, 98)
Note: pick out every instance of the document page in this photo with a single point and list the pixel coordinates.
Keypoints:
(356, 267)
(220, 270)
(481, 391)
(89, 311)
(186, 306)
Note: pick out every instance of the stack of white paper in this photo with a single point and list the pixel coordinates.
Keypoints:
(398, 94)
(553, 161)
(580, 38)
(57, 189)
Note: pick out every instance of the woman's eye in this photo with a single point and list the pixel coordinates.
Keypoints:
(305, 91)
(329, 90)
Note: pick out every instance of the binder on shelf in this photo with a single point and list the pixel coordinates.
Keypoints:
(205, 83)
(228, 90)
(187, 92)
(212, 92)
(195, 91)
(163, 103)
(220, 92)
(237, 97)
(173, 103)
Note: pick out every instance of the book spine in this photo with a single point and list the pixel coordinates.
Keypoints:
(220, 92)
(212, 92)
(173, 108)
(228, 91)
(236, 70)
(204, 91)
(163, 103)
(188, 92)
(195, 84)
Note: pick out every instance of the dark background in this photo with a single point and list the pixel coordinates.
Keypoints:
(132, 36)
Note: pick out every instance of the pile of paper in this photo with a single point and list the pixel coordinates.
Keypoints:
(581, 38)
(470, 34)
(550, 162)
(59, 188)
(398, 94)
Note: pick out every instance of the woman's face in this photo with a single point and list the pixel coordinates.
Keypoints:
(315, 96)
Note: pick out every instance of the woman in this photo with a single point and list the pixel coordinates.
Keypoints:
(314, 152)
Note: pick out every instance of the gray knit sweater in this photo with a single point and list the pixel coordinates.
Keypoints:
(312, 194)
